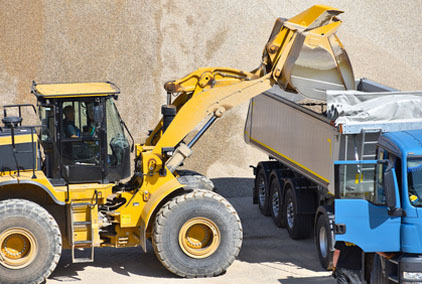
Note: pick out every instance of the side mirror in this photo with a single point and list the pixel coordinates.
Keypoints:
(98, 113)
(389, 187)
(389, 183)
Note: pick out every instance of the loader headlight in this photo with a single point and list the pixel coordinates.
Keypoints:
(412, 276)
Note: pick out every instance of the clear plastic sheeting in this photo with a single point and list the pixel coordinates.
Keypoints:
(351, 107)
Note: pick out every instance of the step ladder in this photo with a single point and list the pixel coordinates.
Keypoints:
(365, 155)
(365, 142)
(86, 208)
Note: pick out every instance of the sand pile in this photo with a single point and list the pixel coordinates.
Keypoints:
(139, 46)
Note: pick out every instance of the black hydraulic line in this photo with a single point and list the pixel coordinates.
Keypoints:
(14, 147)
(34, 153)
(202, 131)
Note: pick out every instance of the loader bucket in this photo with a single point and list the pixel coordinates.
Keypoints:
(311, 57)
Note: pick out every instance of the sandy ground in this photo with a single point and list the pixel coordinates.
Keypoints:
(267, 256)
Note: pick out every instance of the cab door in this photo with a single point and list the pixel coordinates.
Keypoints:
(361, 213)
(82, 140)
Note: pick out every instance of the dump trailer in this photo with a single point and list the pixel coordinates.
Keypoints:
(66, 183)
(344, 167)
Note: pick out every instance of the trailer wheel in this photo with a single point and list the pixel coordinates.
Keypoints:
(30, 242)
(298, 226)
(323, 242)
(263, 192)
(377, 275)
(197, 234)
(276, 206)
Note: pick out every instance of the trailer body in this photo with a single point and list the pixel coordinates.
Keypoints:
(324, 177)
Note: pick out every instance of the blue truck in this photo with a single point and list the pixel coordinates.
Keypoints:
(347, 167)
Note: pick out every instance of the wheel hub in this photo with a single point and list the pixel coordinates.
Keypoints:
(18, 248)
(290, 214)
(199, 237)
(276, 204)
(261, 191)
(323, 242)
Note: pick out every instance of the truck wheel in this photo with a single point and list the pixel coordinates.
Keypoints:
(263, 192)
(298, 226)
(377, 275)
(323, 242)
(30, 242)
(276, 206)
(197, 234)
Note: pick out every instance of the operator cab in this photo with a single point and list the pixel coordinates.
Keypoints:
(82, 135)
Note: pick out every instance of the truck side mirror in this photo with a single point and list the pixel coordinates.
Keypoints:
(390, 191)
(389, 187)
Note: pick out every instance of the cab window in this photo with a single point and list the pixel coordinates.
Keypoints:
(80, 144)
(414, 181)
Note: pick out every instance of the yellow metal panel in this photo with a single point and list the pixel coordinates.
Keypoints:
(313, 16)
(26, 138)
(76, 89)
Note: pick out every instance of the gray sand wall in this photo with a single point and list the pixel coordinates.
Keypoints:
(141, 44)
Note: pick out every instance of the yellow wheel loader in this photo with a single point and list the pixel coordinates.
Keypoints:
(61, 181)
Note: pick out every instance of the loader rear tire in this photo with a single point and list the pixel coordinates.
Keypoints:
(30, 242)
(197, 234)
(298, 226)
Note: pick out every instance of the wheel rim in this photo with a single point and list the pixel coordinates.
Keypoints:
(199, 237)
(290, 213)
(261, 190)
(276, 204)
(18, 248)
(323, 242)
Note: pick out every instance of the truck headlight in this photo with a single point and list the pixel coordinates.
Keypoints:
(412, 275)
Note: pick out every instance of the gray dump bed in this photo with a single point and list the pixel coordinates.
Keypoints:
(306, 137)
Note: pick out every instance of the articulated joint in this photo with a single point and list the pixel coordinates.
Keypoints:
(182, 152)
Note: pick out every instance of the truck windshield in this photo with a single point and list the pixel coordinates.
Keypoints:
(414, 180)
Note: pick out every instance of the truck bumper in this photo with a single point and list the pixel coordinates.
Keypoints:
(410, 269)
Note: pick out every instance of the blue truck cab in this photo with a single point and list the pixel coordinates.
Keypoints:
(378, 206)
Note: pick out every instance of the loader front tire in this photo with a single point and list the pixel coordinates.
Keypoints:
(197, 234)
(30, 242)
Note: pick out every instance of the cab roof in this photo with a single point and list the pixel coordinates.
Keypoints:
(69, 90)
(407, 143)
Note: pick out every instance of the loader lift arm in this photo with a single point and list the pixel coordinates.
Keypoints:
(210, 92)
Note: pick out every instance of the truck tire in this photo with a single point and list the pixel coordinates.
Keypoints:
(276, 206)
(263, 192)
(30, 242)
(197, 234)
(298, 226)
(323, 242)
(377, 275)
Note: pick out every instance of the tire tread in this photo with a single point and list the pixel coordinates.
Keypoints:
(165, 212)
(36, 212)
